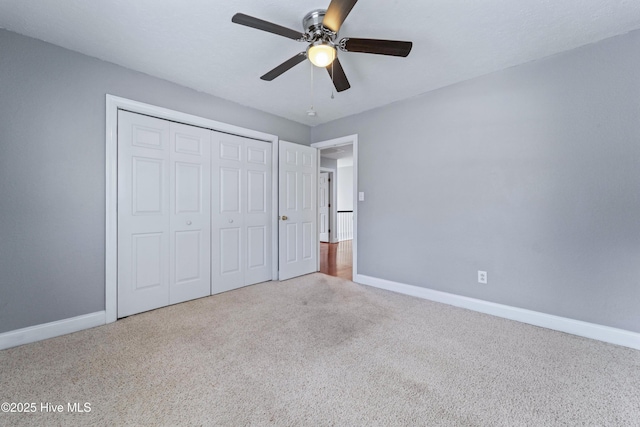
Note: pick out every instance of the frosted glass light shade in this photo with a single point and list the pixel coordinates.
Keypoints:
(321, 55)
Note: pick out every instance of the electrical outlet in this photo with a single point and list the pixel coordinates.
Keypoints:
(482, 277)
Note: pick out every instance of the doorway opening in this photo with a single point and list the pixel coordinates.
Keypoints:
(336, 206)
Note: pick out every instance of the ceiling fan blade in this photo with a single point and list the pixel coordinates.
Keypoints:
(285, 66)
(339, 78)
(336, 13)
(379, 47)
(270, 27)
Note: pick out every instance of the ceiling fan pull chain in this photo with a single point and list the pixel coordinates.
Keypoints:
(332, 81)
(312, 86)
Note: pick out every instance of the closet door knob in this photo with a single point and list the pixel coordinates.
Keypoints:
(188, 222)
(230, 221)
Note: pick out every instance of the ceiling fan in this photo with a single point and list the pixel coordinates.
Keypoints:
(320, 32)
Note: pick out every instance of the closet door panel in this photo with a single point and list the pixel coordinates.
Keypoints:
(143, 213)
(258, 216)
(227, 217)
(190, 199)
(230, 251)
(241, 212)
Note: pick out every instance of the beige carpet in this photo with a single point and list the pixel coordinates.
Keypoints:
(322, 351)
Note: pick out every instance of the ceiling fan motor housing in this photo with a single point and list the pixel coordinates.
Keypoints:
(315, 31)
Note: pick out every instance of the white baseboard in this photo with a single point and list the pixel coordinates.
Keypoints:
(50, 330)
(576, 327)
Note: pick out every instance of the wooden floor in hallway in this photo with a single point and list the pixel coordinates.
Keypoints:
(336, 259)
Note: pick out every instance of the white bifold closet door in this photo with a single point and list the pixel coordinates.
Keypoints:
(163, 213)
(241, 212)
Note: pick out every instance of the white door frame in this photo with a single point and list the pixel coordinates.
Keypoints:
(113, 104)
(333, 209)
(337, 142)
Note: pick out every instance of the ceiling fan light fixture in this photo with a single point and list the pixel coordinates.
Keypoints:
(321, 54)
(320, 31)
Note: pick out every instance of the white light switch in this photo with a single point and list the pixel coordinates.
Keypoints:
(361, 196)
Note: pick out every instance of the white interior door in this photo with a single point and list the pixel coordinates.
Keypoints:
(143, 213)
(323, 205)
(298, 212)
(164, 212)
(241, 213)
(190, 202)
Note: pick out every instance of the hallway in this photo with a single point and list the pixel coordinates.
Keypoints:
(336, 259)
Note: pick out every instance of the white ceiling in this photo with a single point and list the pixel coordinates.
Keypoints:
(194, 43)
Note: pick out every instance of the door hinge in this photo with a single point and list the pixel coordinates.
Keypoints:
(329, 205)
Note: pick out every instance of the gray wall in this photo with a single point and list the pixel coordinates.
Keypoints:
(326, 162)
(345, 188)
(532, 174)
(52, 171)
